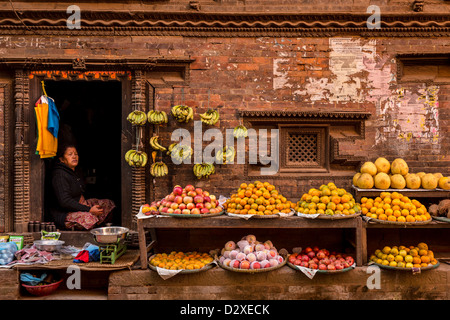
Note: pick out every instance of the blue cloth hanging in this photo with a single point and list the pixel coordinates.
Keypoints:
(53, 118)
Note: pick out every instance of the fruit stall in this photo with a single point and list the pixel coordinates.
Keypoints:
(384, 219)
(260, 207)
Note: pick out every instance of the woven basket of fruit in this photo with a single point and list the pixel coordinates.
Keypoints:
(403, 258)
(320, 261)
(328, 202)
(188, 202)
(394, 208)
(259, 200)
(180, 262)
(250, 256)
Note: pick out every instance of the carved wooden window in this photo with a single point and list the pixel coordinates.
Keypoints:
(303, 149)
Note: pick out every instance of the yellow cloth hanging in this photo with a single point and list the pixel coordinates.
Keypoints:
(47, 144)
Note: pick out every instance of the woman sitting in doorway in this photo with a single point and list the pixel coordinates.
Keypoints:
(70, 209)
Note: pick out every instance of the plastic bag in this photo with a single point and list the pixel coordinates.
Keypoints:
(32, 280)
(7, 251)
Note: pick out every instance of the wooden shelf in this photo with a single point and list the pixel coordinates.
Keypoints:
(224, 221)
(417, 193)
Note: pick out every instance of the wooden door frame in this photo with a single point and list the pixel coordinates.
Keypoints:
(26, 167)
(37, 166)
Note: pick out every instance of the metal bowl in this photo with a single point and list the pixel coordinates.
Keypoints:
(48, 245)
(109, 235)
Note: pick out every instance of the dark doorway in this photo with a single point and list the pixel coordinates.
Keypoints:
(91, 118)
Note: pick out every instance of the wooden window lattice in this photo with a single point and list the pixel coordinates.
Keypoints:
(302, 149)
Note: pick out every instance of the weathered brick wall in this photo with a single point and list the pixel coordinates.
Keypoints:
(9, 284)
(409, 120)
(282, 284)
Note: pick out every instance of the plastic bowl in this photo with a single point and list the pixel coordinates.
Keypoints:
(42, 290)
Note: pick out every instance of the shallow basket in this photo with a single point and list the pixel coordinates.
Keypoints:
(252, 270)
(382, 266)
(332, 217)
(43, 290)
(183, 271)
(192, 216)
(322, 271)
(441, 219)
(415, 223)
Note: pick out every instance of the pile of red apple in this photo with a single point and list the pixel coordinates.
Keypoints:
(321, 259)
(189, 200)
(248, 253)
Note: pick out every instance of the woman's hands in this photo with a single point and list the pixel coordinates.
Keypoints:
(96, 210)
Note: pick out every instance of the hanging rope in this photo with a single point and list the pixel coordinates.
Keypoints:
(43, 88)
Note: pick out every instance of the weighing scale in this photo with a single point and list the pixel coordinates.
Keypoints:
(109, 253)
(111, 243)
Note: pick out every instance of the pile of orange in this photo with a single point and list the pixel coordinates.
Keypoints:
(258, 198)
(181, 261)
(329, 200)
(418, 256)
(394, 207)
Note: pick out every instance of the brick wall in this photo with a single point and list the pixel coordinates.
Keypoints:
(282, 284)
(266, 73)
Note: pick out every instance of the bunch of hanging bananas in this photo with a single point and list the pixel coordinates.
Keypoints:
(182, 113)
(179, 152)
(158, 169)
(226, 155)
(136, 158)
(203, 170)
(240, 132)
(137, 118)
(210, 117)
(157, 117)
(155, 144)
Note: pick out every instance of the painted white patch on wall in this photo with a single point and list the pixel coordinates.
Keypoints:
(280, 76)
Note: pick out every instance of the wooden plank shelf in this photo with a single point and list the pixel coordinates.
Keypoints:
(415, 193)
(224, 221)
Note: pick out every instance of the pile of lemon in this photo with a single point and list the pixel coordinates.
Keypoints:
(260, 198)
(328, 200)
(405, 257)
(181, 261)
(394, 207)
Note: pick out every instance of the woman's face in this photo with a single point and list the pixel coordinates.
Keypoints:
(70, 158)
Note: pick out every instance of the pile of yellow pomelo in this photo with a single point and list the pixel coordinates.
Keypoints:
(405, 257)
(328, 200)
(383, 174)
(394, 207)
(181, 261)
(258, 198)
